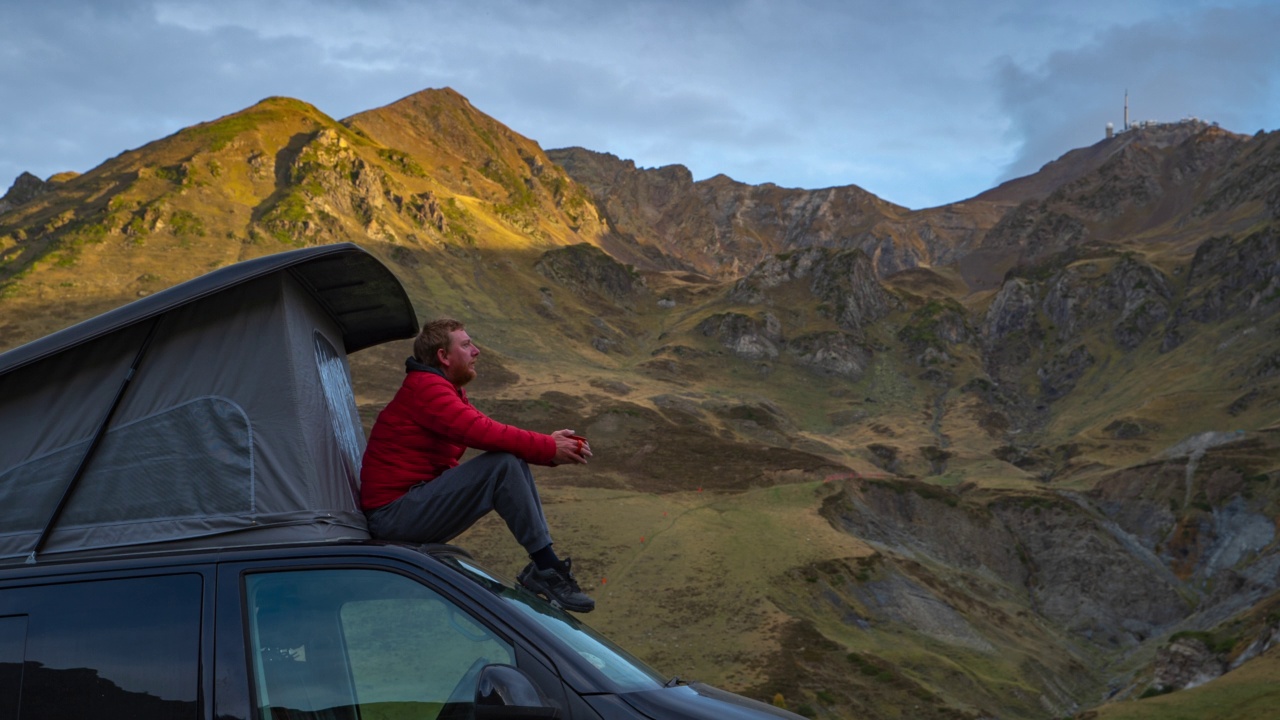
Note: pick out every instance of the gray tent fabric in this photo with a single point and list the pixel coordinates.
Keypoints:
(239, 425)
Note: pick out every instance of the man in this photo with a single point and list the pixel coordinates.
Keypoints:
(413, 489)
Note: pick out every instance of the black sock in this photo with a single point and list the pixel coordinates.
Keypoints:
(545, 558)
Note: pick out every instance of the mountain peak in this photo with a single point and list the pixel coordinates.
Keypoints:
(430, 99)
(282, 102)
(462, 147)
(26, 187)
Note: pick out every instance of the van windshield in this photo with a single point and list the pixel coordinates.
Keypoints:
(620, 667)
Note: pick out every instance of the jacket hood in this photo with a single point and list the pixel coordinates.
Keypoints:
(411, 364)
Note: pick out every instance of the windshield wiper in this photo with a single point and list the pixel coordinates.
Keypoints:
(674, 681)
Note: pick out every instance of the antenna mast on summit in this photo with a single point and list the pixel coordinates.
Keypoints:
(1126, 108)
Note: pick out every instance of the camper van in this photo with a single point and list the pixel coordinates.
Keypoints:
(180, 533)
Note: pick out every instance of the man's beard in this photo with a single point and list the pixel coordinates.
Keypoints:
(461, 375)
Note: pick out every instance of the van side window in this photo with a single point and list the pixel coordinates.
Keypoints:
(119, 648)
(13, 636)
(342, 644)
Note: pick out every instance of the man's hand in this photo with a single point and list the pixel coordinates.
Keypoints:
(570, 448)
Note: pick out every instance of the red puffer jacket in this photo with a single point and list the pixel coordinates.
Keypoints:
(425, 429)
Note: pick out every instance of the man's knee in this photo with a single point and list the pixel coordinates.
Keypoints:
(507, 474)
(503, 462)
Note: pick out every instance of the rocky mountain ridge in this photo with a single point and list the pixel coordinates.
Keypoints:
(723, 228)
(1131, 185)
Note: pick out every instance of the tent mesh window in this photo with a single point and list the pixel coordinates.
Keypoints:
(340, 399)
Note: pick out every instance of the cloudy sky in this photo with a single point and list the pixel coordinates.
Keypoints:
(922, 102)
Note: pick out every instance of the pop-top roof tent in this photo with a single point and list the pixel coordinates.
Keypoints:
(216, 412)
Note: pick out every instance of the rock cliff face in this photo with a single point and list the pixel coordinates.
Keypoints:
(1197, 513)
(1011, 333)
(724, 228)
(845, 290)
(750, 338)
(831, 353)
(1063, 316)
(1116, 569)
(1229, 277)
(1186, 663)
(329, 183)
(590, 273)
(1128, 297)
(1056, 558)
(843, 281)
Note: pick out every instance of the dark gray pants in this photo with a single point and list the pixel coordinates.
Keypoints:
(440, 510)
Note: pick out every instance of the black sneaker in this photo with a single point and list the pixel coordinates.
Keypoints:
(557, 586)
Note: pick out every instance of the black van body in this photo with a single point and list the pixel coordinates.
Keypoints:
(317, 631)
(181, 537)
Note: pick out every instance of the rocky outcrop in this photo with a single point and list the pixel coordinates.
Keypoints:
(1010, 332)
(1141, 296)
(843, 281)
(831, 353)
(1012, 311)
(1074, 570)
(421, 208)
(750, 338)
(326, 183)
(847, 284)
(1087, 578)
(845, 289)
(1193, 658)
(1252, 175)
(1229, 277)
(25, 188)
(587, 271)
(328, 186)
(722, 227)
(760, 338)
(1034, 230)
(755, 418)
(1063, 370)
(1129, 428)
(1195, 511)
(934, 329)
(917, 519)
(900, 599)
(1185, 663)
(1133, 297)
(1049, 324)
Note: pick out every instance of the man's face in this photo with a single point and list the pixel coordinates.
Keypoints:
(459, 361)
